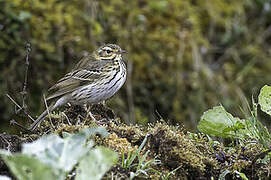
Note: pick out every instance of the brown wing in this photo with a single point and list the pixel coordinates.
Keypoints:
(85, 72)
(84, 61)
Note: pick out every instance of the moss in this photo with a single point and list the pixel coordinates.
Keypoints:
(121, 145)
(167, 143)
(240, 165)
(177, 150)
(183, 53)
(195, 155)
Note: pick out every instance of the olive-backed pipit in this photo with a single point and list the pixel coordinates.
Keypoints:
(95, 78)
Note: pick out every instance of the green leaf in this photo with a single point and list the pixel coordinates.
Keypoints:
(52, 157)
(57, 152)
(218, 122)
(136, 154)
(265, 99)
(25, 167)
(95, 165)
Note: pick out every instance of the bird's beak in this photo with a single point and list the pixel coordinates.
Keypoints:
(123, 51)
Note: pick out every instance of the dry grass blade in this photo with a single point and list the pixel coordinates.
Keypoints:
(20, 108)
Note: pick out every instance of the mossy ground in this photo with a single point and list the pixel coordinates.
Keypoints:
(195, 155)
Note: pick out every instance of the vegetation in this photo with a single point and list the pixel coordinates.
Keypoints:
(218, 122)
(52, 157)
(184, 57)
(158, 151)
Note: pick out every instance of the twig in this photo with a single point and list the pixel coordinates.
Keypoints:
(20, 108)
(66, 118)
(8, 143)
(159, 115)
(13, 101)
(23, 92)
(48, 131)
(78, 119)
(89, 114)
(13, 122)
(129, 91)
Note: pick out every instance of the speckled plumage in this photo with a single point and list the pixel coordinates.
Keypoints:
(95, 78)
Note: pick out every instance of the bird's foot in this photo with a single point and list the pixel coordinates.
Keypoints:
(14, 123)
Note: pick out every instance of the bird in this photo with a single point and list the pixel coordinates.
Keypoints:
(94, 79)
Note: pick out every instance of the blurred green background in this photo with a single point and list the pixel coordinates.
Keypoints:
(184, 56)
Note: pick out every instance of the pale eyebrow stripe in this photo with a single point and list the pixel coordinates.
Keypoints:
(107, 48)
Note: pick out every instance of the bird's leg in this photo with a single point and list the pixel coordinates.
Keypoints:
(106, 109)
(87, 109)
(103, 103)
(99, 122)
(43, 115)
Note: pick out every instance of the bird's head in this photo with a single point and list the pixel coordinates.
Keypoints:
(108, 52)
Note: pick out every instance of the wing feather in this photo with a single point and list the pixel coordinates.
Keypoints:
(85, 72)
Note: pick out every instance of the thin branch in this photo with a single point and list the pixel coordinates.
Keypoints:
(13, 122)
(20, 108)
(129, 91)
(48, 131)
(159, 115)
(78, 119)
(89, 114)
(8, 143)
(24, 92)
(66, 118)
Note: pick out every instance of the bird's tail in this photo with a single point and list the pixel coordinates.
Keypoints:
(41, 117)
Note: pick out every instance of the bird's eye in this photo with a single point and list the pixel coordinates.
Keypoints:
(108, 51)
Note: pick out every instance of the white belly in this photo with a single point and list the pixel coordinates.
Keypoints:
(100, 91)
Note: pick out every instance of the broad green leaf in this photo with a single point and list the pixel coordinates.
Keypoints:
(52, 157)
(25, 167)
(95, 165)
(218, 122)
(58, 152)
(4, 177)
(265, 99)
